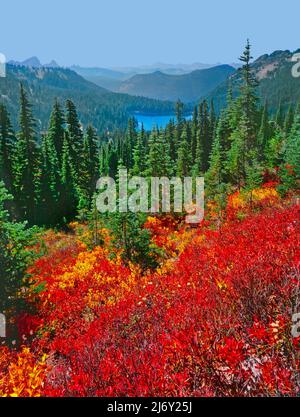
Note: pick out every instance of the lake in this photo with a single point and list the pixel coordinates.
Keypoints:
(149, 121)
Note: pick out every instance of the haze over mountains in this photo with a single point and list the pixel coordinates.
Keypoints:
(97, 106)
(276, 83)
(145, 92)
(187, 87)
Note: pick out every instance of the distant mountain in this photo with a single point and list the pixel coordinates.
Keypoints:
(52, 64)
(34, 62)
(103, 77)
(103, 109)
(175, 69)
(98, 72)
(111, 78)
(188, 87)
(276, 83)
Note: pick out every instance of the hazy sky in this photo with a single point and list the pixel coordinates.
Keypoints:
(135, 32)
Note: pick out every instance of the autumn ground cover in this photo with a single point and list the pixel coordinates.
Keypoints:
(214, 319)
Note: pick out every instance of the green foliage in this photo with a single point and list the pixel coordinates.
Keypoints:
(15, 255)
(290, 169)
(129, 236)
(103, 109)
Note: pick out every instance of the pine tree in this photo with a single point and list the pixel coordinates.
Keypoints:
(264, 130)
(75, 138)
(289, 119)
(207, 136)
(194, 134)
(291, 167)
(68, 195)
(49, 183)
(7, 143)
(130, 141)
(179, 124)
(26, 161)
(279, 118)
(139, 154)
(245, 114)
(273, 152)
(56, 129)
(248, 100)
(91, 145)
(215, 175)
(184, 161)
(171, 138)
(88, 172)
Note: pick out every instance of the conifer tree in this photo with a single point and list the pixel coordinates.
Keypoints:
(75, 138)
(26, 161)
(279, 118)
(49, 183)
(7, 143)
(139, 154)
(179, 124)
(244, 137)
(184, 161)
(273, 152)
(56, 129)
(194, 134)
(291, 168)
(68, 195)
(264, 130)
(289, 119)
(88, 172)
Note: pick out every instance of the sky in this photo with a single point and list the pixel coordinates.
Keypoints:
(112, 33)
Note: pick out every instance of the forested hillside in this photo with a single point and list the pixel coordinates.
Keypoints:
(103, 109)
(126, 303)
(273, 72)
(188, 87)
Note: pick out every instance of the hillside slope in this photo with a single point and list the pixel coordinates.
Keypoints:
(188, 87)
(276, 83)
(103, 109)
(214, 320)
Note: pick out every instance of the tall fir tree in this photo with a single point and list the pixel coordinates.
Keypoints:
(139, 154)
(184, 162)
(75, 138)
(26, 161)
(291, 168)
(56, 129)
(7, 144)
(68, 196)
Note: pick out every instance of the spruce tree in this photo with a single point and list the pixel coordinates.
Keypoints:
(184, 161)
(56, 129)
(26, 161)
(139, 154)
(245, 114)
(68, 196)
(75, 138)
(7, 143)
(291, 167)
(264, 130)
(289, 119)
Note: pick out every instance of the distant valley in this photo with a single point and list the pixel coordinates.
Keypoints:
(107, 97)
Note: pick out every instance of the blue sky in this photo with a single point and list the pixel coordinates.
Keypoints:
(138, 32)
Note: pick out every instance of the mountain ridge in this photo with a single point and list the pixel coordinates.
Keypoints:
(104, 109)
(187, 87)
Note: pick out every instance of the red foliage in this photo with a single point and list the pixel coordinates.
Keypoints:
(217, 324)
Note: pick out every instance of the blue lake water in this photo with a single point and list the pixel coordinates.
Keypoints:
(149, 121)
